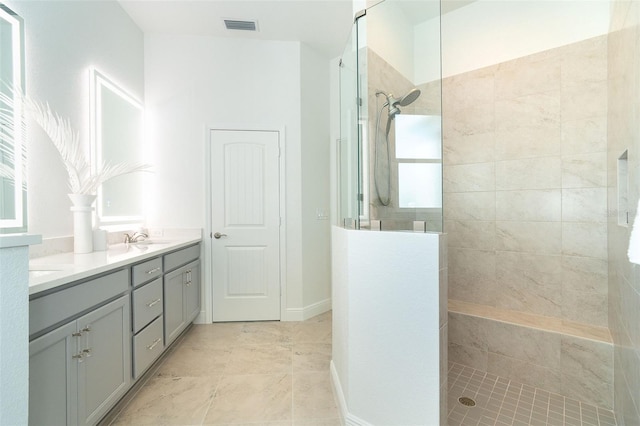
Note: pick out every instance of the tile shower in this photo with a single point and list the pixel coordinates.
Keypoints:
(525, 202)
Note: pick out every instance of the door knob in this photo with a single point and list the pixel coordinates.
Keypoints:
(218, 235)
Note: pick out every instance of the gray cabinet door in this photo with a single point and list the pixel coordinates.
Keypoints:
(53, 378)
(105, 373)
(174, 318)
(192, 291)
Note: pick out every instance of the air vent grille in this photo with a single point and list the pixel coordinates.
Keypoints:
(237, 24)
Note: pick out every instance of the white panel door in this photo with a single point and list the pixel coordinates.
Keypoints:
(245, 220)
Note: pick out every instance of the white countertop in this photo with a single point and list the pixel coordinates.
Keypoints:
(49, 272)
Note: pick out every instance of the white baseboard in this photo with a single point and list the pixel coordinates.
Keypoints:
(301, 314)
(348, 418)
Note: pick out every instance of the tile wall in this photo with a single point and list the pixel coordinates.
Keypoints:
(624, 278)
(525, 202)
(525, 183)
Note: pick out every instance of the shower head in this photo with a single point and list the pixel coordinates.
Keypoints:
(409, 98)
(393, 103)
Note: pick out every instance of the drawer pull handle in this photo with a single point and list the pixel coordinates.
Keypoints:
(154, 344)
(78, 357)
(153, 271)
(153, 303)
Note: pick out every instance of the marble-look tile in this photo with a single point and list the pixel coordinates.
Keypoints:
(469, 206)
(313, 397)
(587, 371)
(588, 308)
(170, 401)
(585, 61)
(443, 295)
(525, 76)
(551, 324)
(311, 357)
(532, 374)
(585, 100)
(471, 234)
(584, 239)
(251, 398)
(584, 357)
(529, 283)
(195, 361)
(525, 344)
(469, 177)
(443, 359)
(468, 149)
(260, 359)
(516, 205)
(528, 126)
(529, 237)
(467, 355)
(470, 121)
(467, 330)
(584, 136)
(266, 333)
(472, 275)
(584, 170)
(529, 173)
(584, 205)
(443, 252)
(218, 335)
(326, 422)
(474, 88)
(585, 274)
(311, 332)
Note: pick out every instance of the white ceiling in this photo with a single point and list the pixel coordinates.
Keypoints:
(322, 24)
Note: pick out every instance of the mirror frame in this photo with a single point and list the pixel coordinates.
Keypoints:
(19, 223)
(99, 82)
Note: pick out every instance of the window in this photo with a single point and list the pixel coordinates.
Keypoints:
(419, 156)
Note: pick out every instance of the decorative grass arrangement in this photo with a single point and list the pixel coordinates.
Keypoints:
(82, 180)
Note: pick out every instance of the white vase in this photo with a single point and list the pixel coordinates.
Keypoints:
(82, 222)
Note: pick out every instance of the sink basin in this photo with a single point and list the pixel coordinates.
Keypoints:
(36, 271)
(150, 242)
(41, 273)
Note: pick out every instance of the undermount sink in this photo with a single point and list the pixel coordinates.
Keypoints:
(41, 273)
(36, 271)
(150, 242)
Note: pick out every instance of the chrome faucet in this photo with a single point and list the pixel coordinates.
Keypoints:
(135, 237)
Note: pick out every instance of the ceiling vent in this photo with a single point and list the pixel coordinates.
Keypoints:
(243, 25)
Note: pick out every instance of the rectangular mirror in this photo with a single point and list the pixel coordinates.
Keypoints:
(118, 136)
(13, 185)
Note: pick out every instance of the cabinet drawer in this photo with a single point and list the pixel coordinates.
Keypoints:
(181, 257)
(147, 271)
(147, 347)
(147, 304)
(53, 308)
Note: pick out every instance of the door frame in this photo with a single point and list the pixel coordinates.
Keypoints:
(207, 282)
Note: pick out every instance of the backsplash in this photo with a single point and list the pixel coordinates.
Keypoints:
(57, 245)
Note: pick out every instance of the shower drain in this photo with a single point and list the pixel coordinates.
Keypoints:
(466, 401)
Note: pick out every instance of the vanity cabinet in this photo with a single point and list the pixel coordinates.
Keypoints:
(148, 339)
(181, 291)
(90, 340)
(79, 370)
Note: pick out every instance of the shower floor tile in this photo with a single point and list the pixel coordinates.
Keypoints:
(501, 402)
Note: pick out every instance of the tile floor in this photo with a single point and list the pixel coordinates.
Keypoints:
(277, 374)
(503, 402)
(267, 373)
